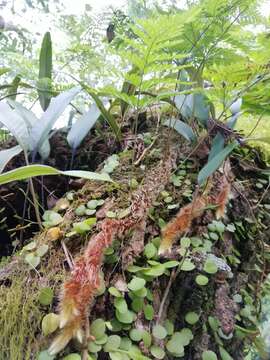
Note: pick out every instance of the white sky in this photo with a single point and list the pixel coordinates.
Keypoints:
(40, 23)
(96, 4)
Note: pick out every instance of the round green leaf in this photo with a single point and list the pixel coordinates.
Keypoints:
(220, 227)
(92, 204)
(185, 336)
(41, 250)
(72, 357)
(224, 354)
(100, 202)
(185, 242)
(120, 304)
(50, 323)
(148, 312)
(45, 296)
(51, 218)
(191, 318)
(213, 236)
(201, 280)
(113, 343)
(125, 343)
(209, 355)
(97, 328)
(147, 338)
(114, 325)
(140, 293)
(44, 355)
(210, 267)
(116, 355)
(136, 334)
(136, 284)
(81, 227)
(137, 304)
(102, 340)
(90, 212)
(93, 347)
(159, 332)
(32, 260)
(157, 352)
(155, 271)
(150, 251)
(170, 264)
(175, 347)
(169, 327)
(114, 292)
(187, 265)
(80, 211)
(31, 246)
(125, 318)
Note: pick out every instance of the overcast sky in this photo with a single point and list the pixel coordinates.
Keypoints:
(37, 23)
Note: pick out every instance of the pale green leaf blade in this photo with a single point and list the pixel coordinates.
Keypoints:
(28, 116)
(15, 124)
(29, 171)
(82, 126)
(7, 155)
(217, 146)
(30, 120)
(57, 106)
(45, 57)
(215, 162)
(182, 128)
(45, 71)
(87, 175)
(105, 113)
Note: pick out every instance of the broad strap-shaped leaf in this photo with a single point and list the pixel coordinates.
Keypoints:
(184, 105)
(45, 71)
(15, 124)
(30, 119)
(182, 128)
(7, 155)
(217, 146)
(26, 172)
(57, 106)
(28, 116)
(215, 162)
(82, 126)
(107, 116)
(235, 107)
(232, 120)
(193, 105)
(201, 108)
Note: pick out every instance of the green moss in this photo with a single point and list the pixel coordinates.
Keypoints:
(21, 311)
(247, 124)
(19, 320)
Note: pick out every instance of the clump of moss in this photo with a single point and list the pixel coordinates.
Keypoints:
(21, 311)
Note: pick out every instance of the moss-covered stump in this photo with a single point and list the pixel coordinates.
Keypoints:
(124, 296)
